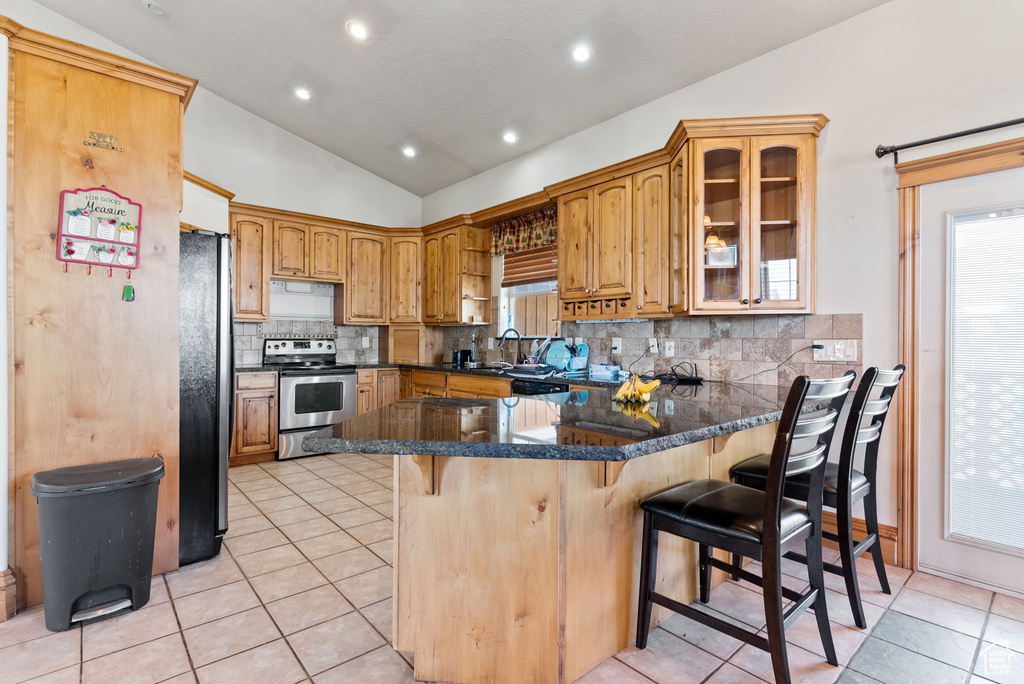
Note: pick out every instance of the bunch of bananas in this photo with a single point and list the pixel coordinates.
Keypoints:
(635, 390)
(634, 399)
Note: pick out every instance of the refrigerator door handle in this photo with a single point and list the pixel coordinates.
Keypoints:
(225, 378)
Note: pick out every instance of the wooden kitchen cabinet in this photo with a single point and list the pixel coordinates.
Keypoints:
(651, 207)
(366, 287)
(612, 274)
(256, 412)
(457, 276)
(389, 388)
(414, 344)
(406, 279)
(749, 206)
(475, 386)
(251, 235)
(326, 254)
(429, 384)
(290, 250)
(366, 391)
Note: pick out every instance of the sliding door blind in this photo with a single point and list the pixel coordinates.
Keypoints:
(985, 484)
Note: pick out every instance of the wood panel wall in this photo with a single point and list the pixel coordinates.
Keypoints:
(94, 378)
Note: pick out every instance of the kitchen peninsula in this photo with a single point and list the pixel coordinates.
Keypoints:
(517, 523)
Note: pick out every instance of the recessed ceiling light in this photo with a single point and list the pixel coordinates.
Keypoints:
(409, 151)
(356, 29)
(302, 93)
(510, 137)
(157, 10)
(581, 53)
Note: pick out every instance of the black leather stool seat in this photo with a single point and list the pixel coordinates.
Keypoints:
(725, 509)
(754, 472)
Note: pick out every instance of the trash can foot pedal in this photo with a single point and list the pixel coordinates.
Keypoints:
(100, 611)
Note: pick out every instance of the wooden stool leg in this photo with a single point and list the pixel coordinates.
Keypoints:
(737, 560)
(771, 577)
(871, 521)
(648, 575)
(844, 525)
(703, 554)
(816, 576)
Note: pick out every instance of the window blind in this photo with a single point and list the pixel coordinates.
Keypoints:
(530, 266)
(985, 385)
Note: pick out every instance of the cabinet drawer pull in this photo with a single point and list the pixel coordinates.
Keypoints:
(757, 301)
(745, 301)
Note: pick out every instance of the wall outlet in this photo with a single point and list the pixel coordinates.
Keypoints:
(670, 407)
(616, 345)
(490, 343)
(652, 345)
(670, 348)
(579, 341)
(366, 342)
(836, 350)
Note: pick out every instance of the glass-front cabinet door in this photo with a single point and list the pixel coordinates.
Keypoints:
(781, 211)
(720, 220)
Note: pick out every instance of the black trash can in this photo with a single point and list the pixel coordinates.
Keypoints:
(97, 523)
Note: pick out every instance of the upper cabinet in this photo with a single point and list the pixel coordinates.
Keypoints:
(406, 279)
(251, 236)
(457, 276)
(326, 254)
(752, 223)
(290, 250)
(366, 289)
(651, 204)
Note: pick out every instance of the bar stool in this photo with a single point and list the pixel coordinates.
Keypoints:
(759, 524)
(844, 485)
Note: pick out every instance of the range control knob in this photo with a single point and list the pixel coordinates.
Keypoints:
(277, 346)
(319, 344)
(330, 346)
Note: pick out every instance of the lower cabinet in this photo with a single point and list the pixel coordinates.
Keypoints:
(388, 387)
(429, 384)
(477, 387)
(366, 391)
(256, 408)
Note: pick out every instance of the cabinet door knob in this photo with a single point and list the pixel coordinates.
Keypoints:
(745, 301)
(757, 301)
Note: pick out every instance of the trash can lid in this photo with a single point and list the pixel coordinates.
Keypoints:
(95, 478)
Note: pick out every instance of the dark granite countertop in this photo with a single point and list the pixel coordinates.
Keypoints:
(582, 425)
(440, 368)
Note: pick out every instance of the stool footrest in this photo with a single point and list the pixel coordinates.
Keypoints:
(736, 570)
(710, 621)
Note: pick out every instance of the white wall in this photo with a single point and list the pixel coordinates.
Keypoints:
(204, 209)
(258, 161)
(907, 70)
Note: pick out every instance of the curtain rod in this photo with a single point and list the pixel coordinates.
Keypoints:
(883, 150)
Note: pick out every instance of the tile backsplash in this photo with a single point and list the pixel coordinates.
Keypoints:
(348, 339)
(763, 349)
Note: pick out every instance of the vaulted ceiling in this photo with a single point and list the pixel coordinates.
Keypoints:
(449, 77)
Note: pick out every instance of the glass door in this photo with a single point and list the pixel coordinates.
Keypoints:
(720, 224)
(781, 215)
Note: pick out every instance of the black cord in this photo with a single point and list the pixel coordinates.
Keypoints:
(768, 370)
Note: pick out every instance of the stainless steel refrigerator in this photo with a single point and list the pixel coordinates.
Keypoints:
(206, 394)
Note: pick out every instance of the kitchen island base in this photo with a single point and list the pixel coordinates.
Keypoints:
(526, 570)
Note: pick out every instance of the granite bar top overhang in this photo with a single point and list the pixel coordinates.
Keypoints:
(582, 425)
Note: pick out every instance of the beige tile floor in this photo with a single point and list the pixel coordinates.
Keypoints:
(302, 592)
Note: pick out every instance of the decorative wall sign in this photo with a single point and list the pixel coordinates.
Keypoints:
(99, 226)
(103, 140)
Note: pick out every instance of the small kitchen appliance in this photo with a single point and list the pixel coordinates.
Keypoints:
(460, 357)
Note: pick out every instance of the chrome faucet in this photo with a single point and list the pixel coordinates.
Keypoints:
(519, 343)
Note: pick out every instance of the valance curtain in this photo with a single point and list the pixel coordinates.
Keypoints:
(537, 229)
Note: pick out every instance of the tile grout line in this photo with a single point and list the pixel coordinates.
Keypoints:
(981, 637)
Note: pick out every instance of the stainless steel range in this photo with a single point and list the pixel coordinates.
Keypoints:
(315, 391)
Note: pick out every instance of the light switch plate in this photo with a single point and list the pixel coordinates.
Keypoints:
(366, 342)
(490, 343)
(836, 350)
(670, 348)
(616, 345)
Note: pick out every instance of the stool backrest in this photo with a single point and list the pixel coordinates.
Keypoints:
(857, 432)
(809, 420)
